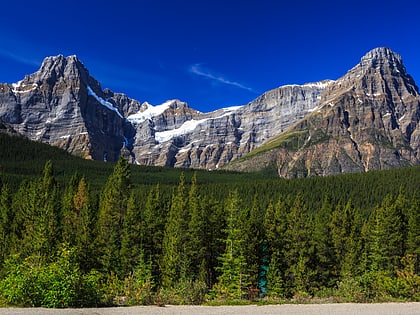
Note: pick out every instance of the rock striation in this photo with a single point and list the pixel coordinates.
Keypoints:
(368, 119)
(62, 105)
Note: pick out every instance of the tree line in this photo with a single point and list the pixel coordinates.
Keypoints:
(70, 245)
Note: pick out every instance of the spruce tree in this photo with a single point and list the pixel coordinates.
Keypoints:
(386, 237)
(5, 223)
(345, 238)
(321, 243)
(233, 280)
(174, 262)
(275, 223)
(413, 234)
(153, 229)
(196, 246)
(296, 248)
(131, 243)
(112, 210)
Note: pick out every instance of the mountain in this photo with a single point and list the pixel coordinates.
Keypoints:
(62, 105)
(368, 119)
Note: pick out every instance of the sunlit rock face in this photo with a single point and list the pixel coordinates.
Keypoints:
(62, 105)
(368, 119)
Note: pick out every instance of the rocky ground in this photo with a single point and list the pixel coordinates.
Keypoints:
(290, 309)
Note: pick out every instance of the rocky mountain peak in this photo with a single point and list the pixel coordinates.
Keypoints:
(381, 54)
(56, 68)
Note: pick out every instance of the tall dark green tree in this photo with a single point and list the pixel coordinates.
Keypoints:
(297, 253)
(275, 223)
(252, 220)
(5, 223)
(345, 236)
(413, 233)
(196, 245)
(174, 262)
(154, 218)
(386, 235)
(112, 211)
(131, 243)
(84, 227)
(233, 279)
(321, 242)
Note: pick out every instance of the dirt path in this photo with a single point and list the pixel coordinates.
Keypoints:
(289, 309)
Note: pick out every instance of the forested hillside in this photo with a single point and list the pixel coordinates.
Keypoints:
(85, 233)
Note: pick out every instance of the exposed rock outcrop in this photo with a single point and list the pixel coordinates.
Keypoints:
(366, 120)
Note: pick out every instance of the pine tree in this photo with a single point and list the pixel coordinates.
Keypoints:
(413, 234)
(41, 233)
(252, 226)
(275, 223)
(153, 229)
(386, 237)
(322, 245)
(5, 223)
(233, 280)
(174, 263)
(196, 246)
(131, 243)
(296, 248)
(84, 226)
(112, 210)
(345, 239)
(69, 214)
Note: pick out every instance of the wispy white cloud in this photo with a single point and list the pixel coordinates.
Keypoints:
(19, 58)
(197, 69)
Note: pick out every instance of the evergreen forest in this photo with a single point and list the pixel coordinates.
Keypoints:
(78, 233)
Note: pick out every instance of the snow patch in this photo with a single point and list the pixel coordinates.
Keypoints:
(103, 102)
(401, 118)
(150, 112)
(65, 137)
(17, 87)
(186, 127)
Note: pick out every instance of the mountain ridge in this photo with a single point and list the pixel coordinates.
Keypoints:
(61, 104)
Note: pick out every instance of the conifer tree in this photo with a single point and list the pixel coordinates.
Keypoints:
(252, 226)
(196, 245)
(345, 238)
(413, 234)
(131, 243)
(41, 233)
(296, 248)
(69, 214)
(153, 228)
(84, 236)
(174, 263)
(233, 280)
(322, 245)
(5, 223)
(275, 223)
(112, 210)
(386, 236)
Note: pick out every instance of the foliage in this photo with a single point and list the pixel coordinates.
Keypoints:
(84, 233)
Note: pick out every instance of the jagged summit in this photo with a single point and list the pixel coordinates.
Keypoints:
(381, 53)
(367, 119)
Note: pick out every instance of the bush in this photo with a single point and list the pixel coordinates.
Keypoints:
(32, 282)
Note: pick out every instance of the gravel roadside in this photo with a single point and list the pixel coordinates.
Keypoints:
(289, 309)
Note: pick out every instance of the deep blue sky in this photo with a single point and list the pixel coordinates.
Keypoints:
(209, 53)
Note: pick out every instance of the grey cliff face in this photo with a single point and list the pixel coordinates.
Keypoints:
(366, 120)
(54, 105)
(182, 137)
